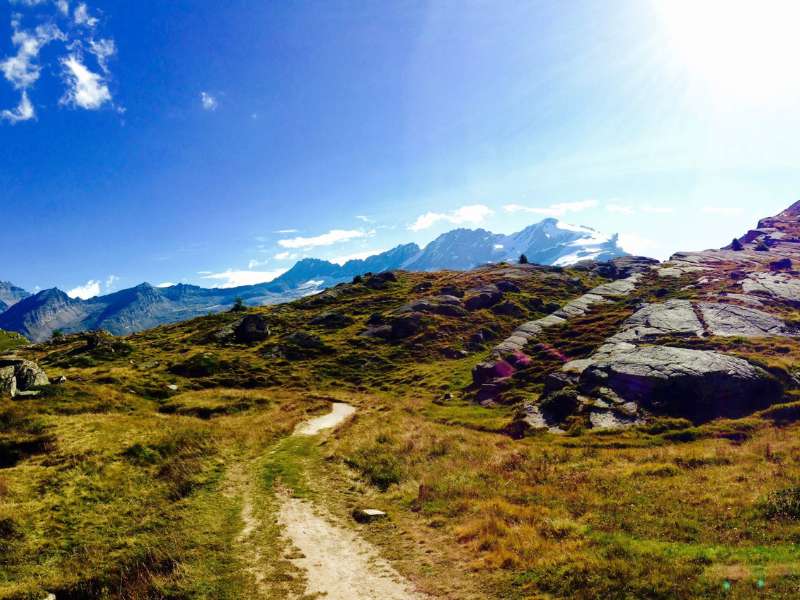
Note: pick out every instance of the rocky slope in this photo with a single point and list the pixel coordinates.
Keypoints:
(682, 344)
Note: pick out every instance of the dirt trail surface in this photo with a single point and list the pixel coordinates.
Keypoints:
(337, 563)
(339, 412)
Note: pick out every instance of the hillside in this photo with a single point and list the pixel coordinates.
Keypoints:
(144, 306)
(619, 429)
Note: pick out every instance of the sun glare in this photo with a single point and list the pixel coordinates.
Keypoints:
(739, 50)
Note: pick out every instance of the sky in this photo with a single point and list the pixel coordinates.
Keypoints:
(216, 143)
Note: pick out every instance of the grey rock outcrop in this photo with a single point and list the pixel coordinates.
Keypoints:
(20, 375)
(780, 286)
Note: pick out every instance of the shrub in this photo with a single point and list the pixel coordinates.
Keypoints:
(523, 260)
(783, 504)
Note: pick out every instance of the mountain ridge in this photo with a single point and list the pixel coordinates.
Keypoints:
(143, 306)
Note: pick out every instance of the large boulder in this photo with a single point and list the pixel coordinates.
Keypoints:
(777, 286)
(696, 384)
(251, 329)
(487, 371)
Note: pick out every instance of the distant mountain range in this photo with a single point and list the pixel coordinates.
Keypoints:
(37, 316)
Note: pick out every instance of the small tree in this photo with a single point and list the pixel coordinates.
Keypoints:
(238, 305)
(736, 245)
(523, 260)
(57, 334)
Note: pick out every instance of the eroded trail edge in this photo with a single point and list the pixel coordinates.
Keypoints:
(338, 564)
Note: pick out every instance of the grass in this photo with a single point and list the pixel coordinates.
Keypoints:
(10, 340)
(129, 480)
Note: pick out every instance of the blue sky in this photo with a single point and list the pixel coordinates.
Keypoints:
(217, 142)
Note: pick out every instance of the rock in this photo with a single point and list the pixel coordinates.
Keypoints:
(251, 329)
(368, 515)
(29, 375)
(18, 375)
(454, 354)
(422, 287)
(61, 379)
(8, 381)
(332, 320)
(779, 286)
(508, 287)
(301, 339)
(784, 264)
(736, 245)
(440, 305)
(483, 297)
(487, 371)
(580, 306)
(451, 290)
(519, 360)
(380, 281)
(731, 320)
(406, 325)
(674, 317)
(696, 384)
(508, 308)
(172, 387)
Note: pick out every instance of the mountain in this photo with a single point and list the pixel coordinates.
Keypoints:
(10, 295)
(549, 242)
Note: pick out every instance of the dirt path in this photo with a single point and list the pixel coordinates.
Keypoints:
(337, 563)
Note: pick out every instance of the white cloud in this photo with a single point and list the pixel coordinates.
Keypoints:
(165, 284)
(21, 70)
(627, 209)
(723, 211)
(82, 17)
(103, 49)
(340, 260)
(621, 209)
(334, 236)
(89, 290)
(554, 210)
(232, 278)
(85, 89)
(208, 101)
(287, 231)
(111, 280)
(472, 214)
(658, 210)
(23, 112)
(637, 244)
(283, 255)
(364, 218)
(63, 6)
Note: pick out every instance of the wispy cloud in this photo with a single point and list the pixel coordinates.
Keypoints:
(648, 209)
(334, 236)
(84, 89)
(23, 112)
(473, 214)
(81, 16)
(364, 218)
(231, 278)
(340, 260)
(285, 231)
(723, 211)
(208, 101)
(22, 70)
(554, 210)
